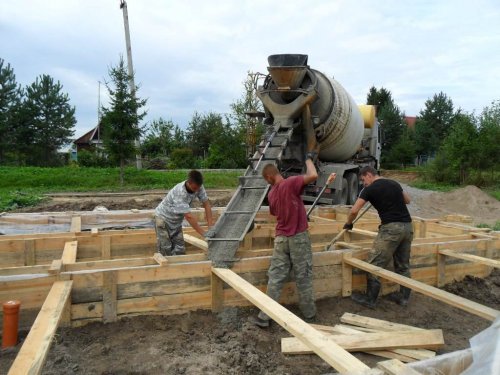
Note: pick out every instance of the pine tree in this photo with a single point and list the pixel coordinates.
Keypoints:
(379, 98)
(434, 123)
(47, 121)
(121, 120)
(10, 100)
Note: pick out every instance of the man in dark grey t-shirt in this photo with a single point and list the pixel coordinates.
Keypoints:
(394, 237)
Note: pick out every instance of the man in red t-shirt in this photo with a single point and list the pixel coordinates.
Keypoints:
(292, 245)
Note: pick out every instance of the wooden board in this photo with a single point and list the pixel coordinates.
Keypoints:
(451, 299)
(33, 353)
(314, 340)
(427, 339)
(76, 224)
(396, 367)
(199, 243)
(471, 258)
(404, 355)
(378, 324)
(69, 253)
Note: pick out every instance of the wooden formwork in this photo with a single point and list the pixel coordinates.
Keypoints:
(114, 273)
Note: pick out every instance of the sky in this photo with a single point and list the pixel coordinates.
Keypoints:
(194, 55)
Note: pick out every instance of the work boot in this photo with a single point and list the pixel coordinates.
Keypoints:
(370, 298)
(262, 323)
(401, 297)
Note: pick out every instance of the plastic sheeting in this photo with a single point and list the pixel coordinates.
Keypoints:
(53, 222)
(483, 358)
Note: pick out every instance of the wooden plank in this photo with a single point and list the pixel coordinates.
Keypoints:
(427, 339)
(378, 324)
(396, 367)
(346, 276)
(217, 289)
(109, 297)
(160, 259)
(404, 355)
(76, 224)
(471, 258)
(449, 298)
(106, 247)
(199, 243)
(94, 231)
(69, 252)
(320, 343)
(29, 252)
(33, 353)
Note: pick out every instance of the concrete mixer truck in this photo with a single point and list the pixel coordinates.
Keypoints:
(348, 134)
(293, 94)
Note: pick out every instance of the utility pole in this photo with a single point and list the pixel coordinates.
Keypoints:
(99, 111)
(123, 7)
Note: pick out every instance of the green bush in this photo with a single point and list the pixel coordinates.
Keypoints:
(183, 158)
(90, 158)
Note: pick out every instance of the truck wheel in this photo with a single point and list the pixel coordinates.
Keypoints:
(352, 188)
(341, 196)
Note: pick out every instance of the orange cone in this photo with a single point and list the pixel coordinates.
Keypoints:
(10, 323)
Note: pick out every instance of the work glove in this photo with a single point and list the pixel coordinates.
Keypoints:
(348, 226)
(210, 233)
(311, 155)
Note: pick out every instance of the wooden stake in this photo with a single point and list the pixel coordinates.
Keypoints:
(109, 297)
(106, 247)
(76, 224)
(29, 252)
(346, 276)
(217, 287)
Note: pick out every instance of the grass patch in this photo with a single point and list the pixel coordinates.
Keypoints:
(494, 192)
(495, 227)
(25, 186)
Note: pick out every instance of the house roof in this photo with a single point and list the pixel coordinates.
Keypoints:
(92, 134)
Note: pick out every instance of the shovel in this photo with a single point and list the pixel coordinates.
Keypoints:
(338, 236)
(328, 182)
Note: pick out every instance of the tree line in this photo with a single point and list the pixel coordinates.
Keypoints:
(37, 120)
(459, 147)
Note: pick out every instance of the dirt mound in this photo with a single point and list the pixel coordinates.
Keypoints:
(469, 200)
(485, 291)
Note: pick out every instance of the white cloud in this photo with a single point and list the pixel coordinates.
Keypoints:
(193, 55)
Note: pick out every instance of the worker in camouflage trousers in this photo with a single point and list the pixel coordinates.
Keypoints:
(394, 237)
(292, 245)
(174, 208)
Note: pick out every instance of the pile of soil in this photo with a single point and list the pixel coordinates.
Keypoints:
(227, 343)
(469, 200)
